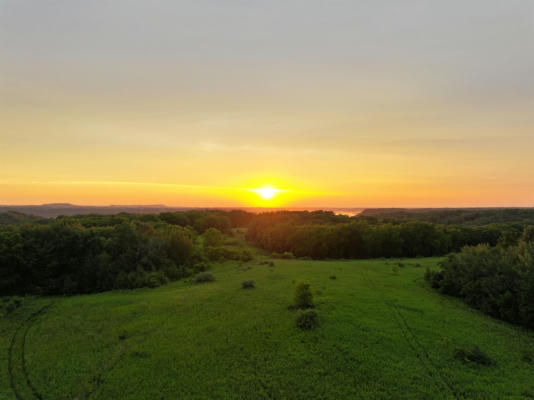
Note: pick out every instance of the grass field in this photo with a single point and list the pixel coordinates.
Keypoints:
(383, 335)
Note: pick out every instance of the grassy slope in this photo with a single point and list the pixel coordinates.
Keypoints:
(383, 335)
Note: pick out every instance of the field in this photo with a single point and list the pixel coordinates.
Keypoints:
(383, 334)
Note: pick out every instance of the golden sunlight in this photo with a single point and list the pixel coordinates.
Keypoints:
(266, 192)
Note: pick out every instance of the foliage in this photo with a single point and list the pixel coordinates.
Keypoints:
(306, 319)
(472, 354)
(246, 255)
(213, 237)
(202, 277)
(499, 281)
(221, 253)
(458, 216)
(321, 238)
(65, 257)
(247, 285)
(303, 295)
(14, 217)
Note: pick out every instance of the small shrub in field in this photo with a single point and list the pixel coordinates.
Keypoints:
(472, 354)
(401, 265)
(248, 285)
(306, 319)
(204, 277)
(333, 277)
(155, 279)
(271, 264)
(287, 255)
(527, 357)
(200, 267)
(303, 296)
(246, 255)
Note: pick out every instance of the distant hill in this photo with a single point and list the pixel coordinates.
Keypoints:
(56, 209)
(53, 210)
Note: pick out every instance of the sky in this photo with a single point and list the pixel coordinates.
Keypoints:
(415, 103)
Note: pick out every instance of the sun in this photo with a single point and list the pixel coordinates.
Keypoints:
(266, 192)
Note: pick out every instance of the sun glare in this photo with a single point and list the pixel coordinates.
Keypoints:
(266, 192)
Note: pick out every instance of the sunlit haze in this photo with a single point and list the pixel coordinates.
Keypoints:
(276, 103)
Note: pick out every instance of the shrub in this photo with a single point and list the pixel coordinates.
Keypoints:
(155, 279)
(246, 255)
(200, 267)
(333, 277)
(433, 277)
(248, 285)
(303, 295)
(527, 357)
(287, 255)
(306, 319)
(202, 277)
(472, 354)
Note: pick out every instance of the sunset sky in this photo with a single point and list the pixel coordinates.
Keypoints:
(334, 103)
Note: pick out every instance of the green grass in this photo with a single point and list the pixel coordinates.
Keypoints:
(383, 335)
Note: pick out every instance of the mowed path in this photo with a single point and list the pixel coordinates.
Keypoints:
(383, 335)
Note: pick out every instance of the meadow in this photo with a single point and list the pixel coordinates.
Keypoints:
(383, 334)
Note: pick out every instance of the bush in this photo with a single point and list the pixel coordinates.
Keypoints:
(306, 319)
(433, 277)
(222, 253)
(202, 277)
(303, 296)
(200, 267)
(248, 285)
(287, 255)
(472, 354)
(333, 277)
(499, 281)
(155, 279)
(246, 255)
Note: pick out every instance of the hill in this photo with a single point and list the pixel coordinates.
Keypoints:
(383, 334)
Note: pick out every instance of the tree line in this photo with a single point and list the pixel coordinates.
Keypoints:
(366, 237)
(92, 253)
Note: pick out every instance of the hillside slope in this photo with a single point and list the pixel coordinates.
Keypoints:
(382, 335)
